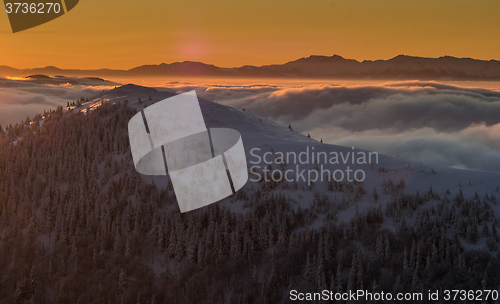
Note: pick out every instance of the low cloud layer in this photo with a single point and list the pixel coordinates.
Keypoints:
(20, 99)
(434, 123)
(429, 122)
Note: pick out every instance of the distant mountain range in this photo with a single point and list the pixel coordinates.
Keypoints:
(323, 67)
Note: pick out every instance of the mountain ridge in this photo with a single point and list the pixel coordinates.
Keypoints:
(314, 66)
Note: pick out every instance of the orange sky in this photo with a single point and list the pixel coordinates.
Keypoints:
(124, 34)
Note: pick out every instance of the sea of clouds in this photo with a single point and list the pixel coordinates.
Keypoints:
(19, 99)
(435, 123)
(440, 124)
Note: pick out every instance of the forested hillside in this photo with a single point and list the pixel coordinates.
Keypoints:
(78, 224)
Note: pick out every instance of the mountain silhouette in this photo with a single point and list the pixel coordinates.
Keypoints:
(401, 67)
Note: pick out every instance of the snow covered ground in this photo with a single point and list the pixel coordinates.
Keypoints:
(263, 136)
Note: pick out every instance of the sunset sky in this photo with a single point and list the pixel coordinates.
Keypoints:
(124, 34)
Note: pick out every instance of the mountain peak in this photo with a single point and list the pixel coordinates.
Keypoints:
(403, 57)
(320, 58)
(130, 89)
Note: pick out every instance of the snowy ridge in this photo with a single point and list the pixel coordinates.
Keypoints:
(265, 136)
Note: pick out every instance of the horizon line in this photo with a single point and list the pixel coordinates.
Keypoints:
(244, 65)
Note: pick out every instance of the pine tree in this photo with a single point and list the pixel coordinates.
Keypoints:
(414, 282)
(338, 279)
(485, 231)
(375, 195)
(412, 258)
(122, 282)
(387, 253)
(255, 274)
(308, 272)
(272, 281)
(406, 264)
(320, 267)
(353, 274)
(32, 280)
(379, 248)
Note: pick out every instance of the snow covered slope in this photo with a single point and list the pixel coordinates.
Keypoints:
(264, 136)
